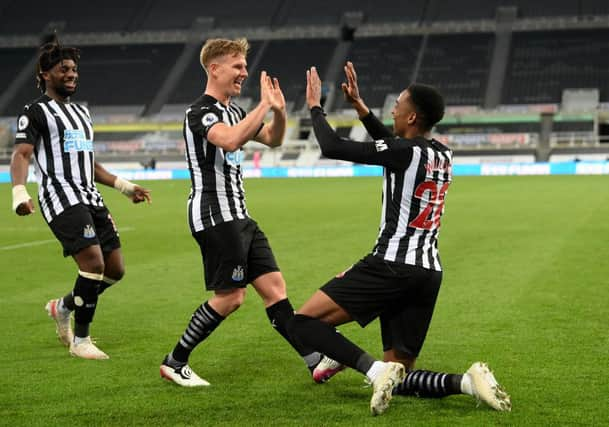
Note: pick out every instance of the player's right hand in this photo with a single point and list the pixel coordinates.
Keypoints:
(25, 208)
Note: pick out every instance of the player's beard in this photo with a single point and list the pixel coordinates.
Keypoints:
(65, 92)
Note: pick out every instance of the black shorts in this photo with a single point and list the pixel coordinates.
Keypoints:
(81, 226)
(234, 254)
(403, 296)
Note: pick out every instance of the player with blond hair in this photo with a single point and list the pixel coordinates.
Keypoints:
(235, 252)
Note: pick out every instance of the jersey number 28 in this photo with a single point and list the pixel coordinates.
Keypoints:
(429, 217)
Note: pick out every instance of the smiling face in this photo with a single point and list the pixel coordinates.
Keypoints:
(228, 72)
(61, 80)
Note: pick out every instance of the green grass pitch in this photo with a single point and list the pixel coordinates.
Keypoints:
(526, 288)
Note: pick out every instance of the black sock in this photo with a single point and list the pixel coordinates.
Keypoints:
(81, 330)
(324, 338)
(105, 284)
(429, 384)
(279, 314)
(68, 301)
(85, 302)
(202, 323)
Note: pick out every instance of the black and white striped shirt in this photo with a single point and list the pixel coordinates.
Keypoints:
(217, 194)
(62, 136)
(416, 176)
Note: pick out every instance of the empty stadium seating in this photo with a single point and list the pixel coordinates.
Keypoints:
(458, 65)
(543, 63)
(288, 60)
(384, 65)
(396, 43)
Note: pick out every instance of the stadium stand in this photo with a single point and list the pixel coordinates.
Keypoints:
(115, 75)
(458, 65)
(140, 65)
(13, 61)
(384, 65)
(288, 60)
(543, 63)
(299, 13)
(18, 17)
(165, 14)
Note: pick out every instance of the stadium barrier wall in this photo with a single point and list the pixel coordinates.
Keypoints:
(488, 169)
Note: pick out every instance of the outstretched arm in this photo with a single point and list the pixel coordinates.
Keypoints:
(382, 152)
(133, 191)
(20, 162)
(373, 125)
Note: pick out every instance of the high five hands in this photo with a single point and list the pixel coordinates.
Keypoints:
(313, 93)
(350, 89)
(270, 91)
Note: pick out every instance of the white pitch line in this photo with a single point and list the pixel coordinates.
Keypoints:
(44, 242)
(25, 245)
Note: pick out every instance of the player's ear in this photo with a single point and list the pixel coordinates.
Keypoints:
(213, 69)
(412, 118)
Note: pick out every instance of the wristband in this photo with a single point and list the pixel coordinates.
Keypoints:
(124, 186)
(20, 195)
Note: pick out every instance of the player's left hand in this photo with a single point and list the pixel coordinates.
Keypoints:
(275, 95)
(313, 88)
(140, 194)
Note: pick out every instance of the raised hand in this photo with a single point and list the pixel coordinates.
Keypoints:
(350, 88)
(277, 98)
(264, 88)
(270, 92)
(313, 88)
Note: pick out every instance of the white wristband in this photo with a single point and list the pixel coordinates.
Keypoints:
(20, 195)
(124, 186)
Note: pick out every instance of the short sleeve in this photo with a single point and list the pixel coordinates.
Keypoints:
(29, 125)
(203, 119)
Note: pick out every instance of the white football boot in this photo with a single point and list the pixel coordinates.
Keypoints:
(486, 389)
(326, 369)
(182, 375)
(62, 322)
(383, 385)
(87, 350)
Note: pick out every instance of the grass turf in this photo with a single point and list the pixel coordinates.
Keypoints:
(526, 288)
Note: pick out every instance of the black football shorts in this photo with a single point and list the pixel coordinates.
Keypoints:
(81, 226)
(234, 254)
(403, 296)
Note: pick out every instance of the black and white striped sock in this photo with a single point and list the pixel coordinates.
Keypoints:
(429, 384)
(202, 323)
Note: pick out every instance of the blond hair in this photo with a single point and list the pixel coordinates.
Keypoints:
(214, 48)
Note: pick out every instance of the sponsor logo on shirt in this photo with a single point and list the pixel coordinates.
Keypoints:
(75, 140)
(381, 145)
(235, 158)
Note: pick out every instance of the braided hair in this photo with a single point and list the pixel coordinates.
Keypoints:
(51, 54)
